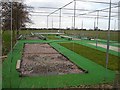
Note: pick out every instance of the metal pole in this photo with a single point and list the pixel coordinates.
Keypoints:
(1, 47)
(72, 22)
(82, 25)
(74, 13)
(59, 20)
(114, 28)
(118, 41)
(114, 25)
(82, 31)
(94, 23)
(47, 22)
(108, 38)
(11, 40)
(1, 20)
(74, 17)
(11, 30)
(52, 23)
(60, 8)
(97, 29)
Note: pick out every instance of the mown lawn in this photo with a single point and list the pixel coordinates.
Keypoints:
(114, 36)
(52, 37)
(102, 35)
(37, 31)
(6, 42)
(94, 55)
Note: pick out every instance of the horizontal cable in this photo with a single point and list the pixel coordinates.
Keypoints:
(97, 2)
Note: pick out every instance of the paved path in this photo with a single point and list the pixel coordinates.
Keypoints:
(105, 46)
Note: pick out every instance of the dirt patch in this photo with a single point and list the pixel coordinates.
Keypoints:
(42, 59)
(32, 38)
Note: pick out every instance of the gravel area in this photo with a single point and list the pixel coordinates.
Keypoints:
(39, 49)
(42, 59)
(32, 38)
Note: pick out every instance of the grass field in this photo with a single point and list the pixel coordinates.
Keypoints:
(102, 35)
(52, 37)
(93, 54)
(114, 36)
(6, 42)
(6, 39)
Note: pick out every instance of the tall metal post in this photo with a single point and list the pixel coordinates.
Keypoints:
(114, 25)
(94, 23)
(97, 29)
(72, 22)
(108, 38)
(74, 13)
(52, 23)
(119, 15)
(82, 29)
(59, 20)
(11, 39)
(47, 22)
(11, 29)
(1, 47)
(82, 25)
(74, 17)
(114, 28)
(1, 20)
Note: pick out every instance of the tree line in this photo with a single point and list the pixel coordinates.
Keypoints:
(18, 13)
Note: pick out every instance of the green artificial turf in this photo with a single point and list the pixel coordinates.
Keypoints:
(93, 54)
(102, 35)
(97, 74)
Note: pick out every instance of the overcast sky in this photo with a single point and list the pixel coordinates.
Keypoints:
(41, 21)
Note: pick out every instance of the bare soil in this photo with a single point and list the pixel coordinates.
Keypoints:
(42, 59)
(32, 38)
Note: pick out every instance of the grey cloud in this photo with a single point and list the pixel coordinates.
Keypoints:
(45, 4)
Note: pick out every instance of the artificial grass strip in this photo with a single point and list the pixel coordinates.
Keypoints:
(96, 73)
(95, 76)
(93, 54)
